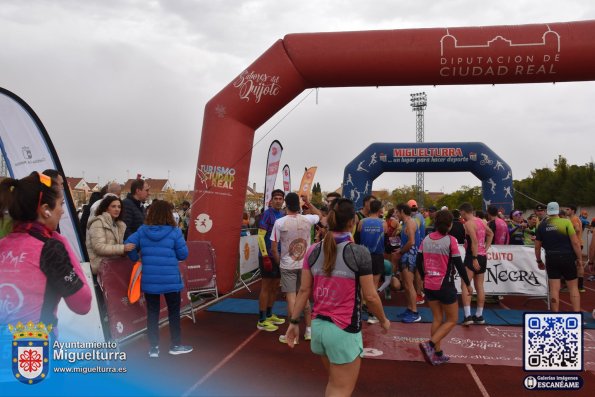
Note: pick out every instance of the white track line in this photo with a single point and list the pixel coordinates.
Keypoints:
(480, 385)
(220, 364)
(570, 304)
(590, 289)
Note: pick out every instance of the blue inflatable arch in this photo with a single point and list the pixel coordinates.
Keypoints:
(474, 157)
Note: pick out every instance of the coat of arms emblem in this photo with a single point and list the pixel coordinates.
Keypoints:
(30, 351)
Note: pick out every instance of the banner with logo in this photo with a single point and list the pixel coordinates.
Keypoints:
(307, 181)
(26, 147)
(273, 160)
(286, 179)
(248, 254)
(512, 270)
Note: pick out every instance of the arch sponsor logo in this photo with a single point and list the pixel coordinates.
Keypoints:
(203, 223)
(499, 56)
(215, 176)
(254, 86)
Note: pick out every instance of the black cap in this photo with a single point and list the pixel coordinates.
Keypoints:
(432, 209)
(540, 207)
(292, 201)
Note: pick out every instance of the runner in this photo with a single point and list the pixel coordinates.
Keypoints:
(372, 231)
(337, 272)
(478, 239)
(292, 232)
(436, 259)
(270, 273)
(498, 226)
(562, 255)
(406, 257)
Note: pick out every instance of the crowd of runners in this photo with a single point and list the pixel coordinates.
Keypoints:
(339, 257)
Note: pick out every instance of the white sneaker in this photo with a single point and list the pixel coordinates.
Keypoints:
(308, 335)
(372, 320)
(283, 339)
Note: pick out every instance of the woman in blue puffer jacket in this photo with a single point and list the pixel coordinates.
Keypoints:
(162, 246)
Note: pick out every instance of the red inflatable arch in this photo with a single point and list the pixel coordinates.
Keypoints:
(542, 53)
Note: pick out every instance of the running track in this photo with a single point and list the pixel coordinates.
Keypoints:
(232, 358)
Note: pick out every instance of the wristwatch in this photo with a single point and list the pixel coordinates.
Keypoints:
(539, 261)
(294, 321)
(473, 257)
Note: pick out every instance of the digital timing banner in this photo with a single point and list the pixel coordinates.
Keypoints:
(307, 180)
(512, 270)
(26, 147)
(286, 179)
(272, 169)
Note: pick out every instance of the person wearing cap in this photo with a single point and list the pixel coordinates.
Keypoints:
(269, 270)
(540, 212)
(292, 232)
(429, 220)
(516, 228)
(562, 255)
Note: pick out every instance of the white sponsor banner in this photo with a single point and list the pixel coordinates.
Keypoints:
(27, 148)
(512, 269)
(248, 254)
(286, 179)
(272, 169)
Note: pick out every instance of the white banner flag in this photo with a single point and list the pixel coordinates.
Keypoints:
(512, 270)
(272, 169)
(286, 179)
(26, 147)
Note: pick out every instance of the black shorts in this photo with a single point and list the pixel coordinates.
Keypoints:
(446, 295)
(483, 263)
(275, 273)
(561, 265)
(377, 264)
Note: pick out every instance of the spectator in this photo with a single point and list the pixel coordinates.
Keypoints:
(87, 213)
(530, 230)
(161, 244)
(516, 227)
(540, 212)
(111, 189)
(184, 218)
(48, 270)
(134, 211)
(105, 238)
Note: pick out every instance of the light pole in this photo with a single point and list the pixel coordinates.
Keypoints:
(419, 101)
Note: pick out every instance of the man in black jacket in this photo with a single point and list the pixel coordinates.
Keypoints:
(134, 211)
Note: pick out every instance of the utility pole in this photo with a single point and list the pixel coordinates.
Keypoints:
(419, 101)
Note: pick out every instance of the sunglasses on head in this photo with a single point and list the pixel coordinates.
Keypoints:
(44, 180)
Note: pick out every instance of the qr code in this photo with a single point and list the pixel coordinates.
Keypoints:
(553, 342)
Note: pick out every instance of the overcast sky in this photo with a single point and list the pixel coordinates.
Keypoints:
(121, 86)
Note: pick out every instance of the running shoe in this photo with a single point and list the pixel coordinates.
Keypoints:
(420, 299)
(283, 339)
(404, 313)
(266, 326)
(179, 349)
(437, 360)
(478, 320)
(412, 317)
(467, 321)
(428, 351)
(154, 352)
(582, 289)
(591, 278)
(372, 319)
(275, 320)
(308, 335)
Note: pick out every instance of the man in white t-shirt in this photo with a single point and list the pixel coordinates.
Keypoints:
(293, 232)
